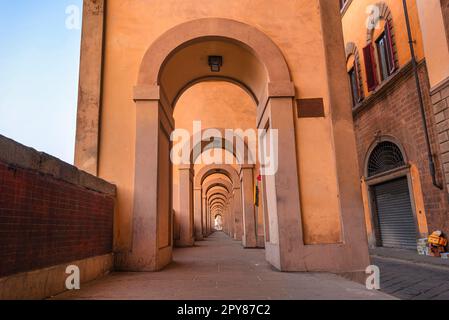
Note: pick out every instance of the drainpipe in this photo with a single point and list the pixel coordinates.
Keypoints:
(420, 97)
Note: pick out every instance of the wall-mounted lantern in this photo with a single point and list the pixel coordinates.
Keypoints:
(215, 63)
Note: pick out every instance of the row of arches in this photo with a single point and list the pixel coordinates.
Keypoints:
(217, 190)
(257, 65)
(254, 61)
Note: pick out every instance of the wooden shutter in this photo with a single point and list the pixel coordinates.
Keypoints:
(391, 62)
(370, 67)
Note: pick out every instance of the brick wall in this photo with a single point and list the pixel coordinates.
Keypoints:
(394, 111)
(50, 213)
(440, 101)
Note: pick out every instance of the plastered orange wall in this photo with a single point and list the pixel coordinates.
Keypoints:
(355, 30)
(216, 104)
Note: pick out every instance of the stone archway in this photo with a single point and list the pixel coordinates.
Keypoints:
(244, 210)
(202, 217)
(229, 188)
(218, 199)
(190, 212)
(268, 78)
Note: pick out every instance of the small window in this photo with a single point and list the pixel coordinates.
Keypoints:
(379, 58)
(384, 57)
(385, 53)
(353, 77)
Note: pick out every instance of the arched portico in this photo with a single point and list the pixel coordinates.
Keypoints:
(225, 169)
(255, 61)
(136, 157)
(201, 214)
(232, 215)
(191, 217)
(218, 197)
(244, 226)
(218, 183)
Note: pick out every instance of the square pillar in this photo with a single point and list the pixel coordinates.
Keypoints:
(186, 216)
(230, 214)
(204, 216)
(249, 238)
(198, 215)
(281, 201)
(238, 214)
(152, 240)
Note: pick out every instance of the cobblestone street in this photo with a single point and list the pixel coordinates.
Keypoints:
(413, 280)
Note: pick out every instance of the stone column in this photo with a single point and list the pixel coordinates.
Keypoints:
(230, 226)
(186, 218)
(199, 224)
(225, 222)
(249, 238)
(238, 213)
(205, 212)
(152, 240)
(209, 223)
(230, 214)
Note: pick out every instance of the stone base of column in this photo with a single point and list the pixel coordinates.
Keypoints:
(249, 243)
(199, 237)
(185, 243)
(261, 242)
(237, 237)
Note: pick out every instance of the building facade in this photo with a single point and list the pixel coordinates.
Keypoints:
(398, 116)
(149, 67)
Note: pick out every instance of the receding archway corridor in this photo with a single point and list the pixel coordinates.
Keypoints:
(219, 268)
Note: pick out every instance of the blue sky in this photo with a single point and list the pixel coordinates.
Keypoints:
(39, 61)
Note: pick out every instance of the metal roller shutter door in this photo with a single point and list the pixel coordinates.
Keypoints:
(396, 227)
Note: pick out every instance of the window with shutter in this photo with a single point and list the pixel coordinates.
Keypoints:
(390, 50)
(382, 52)
(354, 86)
(370, 67)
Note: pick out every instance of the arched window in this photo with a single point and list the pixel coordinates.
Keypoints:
(380, 53)
(353, 68)
(385, 156)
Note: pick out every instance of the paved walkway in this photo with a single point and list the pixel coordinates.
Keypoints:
(413, 279)
(220, 268)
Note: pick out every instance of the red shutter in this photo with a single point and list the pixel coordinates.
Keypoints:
(370, 66)
(392, 64)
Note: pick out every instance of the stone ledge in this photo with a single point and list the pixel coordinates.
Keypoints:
(17, 155)
(439, 88)
(409, 256)
(44, 283)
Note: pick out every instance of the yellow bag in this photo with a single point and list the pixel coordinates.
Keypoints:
(437, 241)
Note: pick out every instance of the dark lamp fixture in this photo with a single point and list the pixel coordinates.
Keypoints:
(215, 63)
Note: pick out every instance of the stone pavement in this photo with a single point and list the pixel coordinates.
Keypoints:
(219, 268)
(411, 277)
